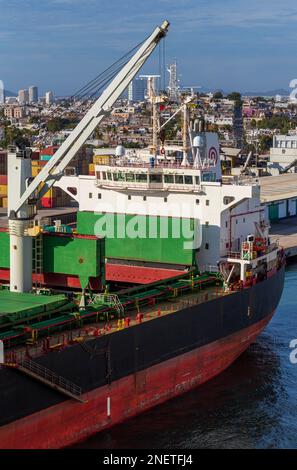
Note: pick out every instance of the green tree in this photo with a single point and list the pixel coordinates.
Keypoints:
(218, 95)
(235, 96)
(265, 143)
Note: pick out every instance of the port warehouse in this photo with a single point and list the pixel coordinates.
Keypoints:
(279, 196)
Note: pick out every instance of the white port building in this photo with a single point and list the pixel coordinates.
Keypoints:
(283, 154)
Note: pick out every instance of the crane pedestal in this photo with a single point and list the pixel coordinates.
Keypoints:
(20, 256)
(19, 176)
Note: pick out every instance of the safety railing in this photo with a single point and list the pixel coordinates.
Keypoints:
(51, 377)
(233, 254)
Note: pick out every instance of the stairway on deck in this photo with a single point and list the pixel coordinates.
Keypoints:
(49, 378)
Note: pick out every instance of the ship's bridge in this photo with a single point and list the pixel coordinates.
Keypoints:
(163, 176)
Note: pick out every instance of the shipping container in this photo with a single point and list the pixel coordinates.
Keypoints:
(39, 163)
(35, 155)
(49, 150)
(49, 194)
(3, 162)
(102, 159)
(47, 202)
(3, 179)
(35, 171)
(3, 189)
(45, 158)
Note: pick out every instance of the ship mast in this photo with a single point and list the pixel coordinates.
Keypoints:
(153, 99)
(185, 161)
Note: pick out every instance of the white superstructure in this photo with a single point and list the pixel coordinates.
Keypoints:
(225, 213)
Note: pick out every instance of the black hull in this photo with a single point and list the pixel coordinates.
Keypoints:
(123, 353)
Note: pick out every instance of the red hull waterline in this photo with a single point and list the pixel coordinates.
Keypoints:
(69, 422)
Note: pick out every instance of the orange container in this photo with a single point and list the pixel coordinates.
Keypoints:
(35, 171)
(3, 189)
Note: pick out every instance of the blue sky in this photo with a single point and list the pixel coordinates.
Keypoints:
(231, 44)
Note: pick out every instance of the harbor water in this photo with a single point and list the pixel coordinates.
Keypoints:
(251, 405)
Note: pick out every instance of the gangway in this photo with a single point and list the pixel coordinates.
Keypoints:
(48, 377)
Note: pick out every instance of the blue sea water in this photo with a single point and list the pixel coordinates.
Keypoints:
(253, 404)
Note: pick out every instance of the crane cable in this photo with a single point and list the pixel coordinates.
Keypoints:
(109, 72)
(92, 88)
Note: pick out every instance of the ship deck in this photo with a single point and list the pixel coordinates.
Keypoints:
(15, 303)
(139, 306)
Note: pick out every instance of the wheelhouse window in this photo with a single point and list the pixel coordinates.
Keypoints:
(168, 179)
(121, 176)
(188, 179)
(209, 177)
(157, 178)
(141, 178)
(130, 177)
(179, 179)
(205, 177)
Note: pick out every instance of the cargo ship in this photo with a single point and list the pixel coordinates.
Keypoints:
(168, 277)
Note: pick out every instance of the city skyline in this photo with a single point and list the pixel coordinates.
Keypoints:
(64, 44)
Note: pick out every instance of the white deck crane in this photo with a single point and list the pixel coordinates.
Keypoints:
(23, 192)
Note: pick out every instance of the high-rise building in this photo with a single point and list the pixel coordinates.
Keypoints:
(49, 97)
(33, 94)
(137, 89)
(152, 85)
(2, 92)
(23, 96)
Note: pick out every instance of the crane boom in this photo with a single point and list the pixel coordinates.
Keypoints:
(53, 170)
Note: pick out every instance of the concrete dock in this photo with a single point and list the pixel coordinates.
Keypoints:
(285, 231)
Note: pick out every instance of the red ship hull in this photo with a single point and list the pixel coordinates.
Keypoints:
(69, 422)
